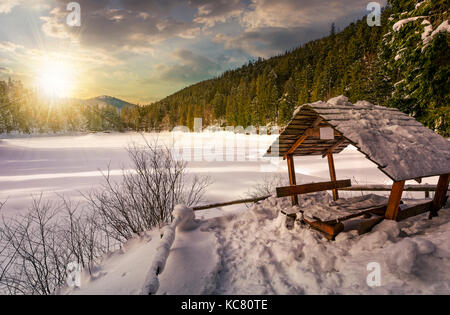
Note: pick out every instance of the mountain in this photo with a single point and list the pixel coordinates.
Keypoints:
(107, 100)
(405, 67)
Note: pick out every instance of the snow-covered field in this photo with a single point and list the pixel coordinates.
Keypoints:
(253, 253)
(234, 250)
(69, 165)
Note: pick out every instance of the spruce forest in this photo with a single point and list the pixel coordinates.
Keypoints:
(403, 63)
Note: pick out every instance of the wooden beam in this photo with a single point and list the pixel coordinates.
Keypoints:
(235, 202)
(367, 225)
(310, 188)
(332, 175)
(441, 192)
(292, 179)
(414, 210)
(394, 200)
(336, 145)
(329, 230)
(305, 135)
(389, 187)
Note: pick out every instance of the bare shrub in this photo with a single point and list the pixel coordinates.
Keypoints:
(37, 255)
(146, 195)
(267, 186)
(84, 235)
(36, 248)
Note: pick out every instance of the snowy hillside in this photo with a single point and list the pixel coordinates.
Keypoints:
(253, 253)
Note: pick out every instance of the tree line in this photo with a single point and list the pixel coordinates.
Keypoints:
(405, 68)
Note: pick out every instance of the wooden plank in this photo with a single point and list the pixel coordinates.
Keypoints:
(334, 147)
(380, 211)
(310, 188)
(292, 179)
(303, 137)
(332, 175)
(441, 192)
(388, 188)
(235, 202)
(367, 225)
(329, 230)
(394, 200)
(414, 210)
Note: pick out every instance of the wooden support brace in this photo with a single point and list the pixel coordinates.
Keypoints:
(332, 175)
(394, 200)
(292, 179)
(440, 195)
(331, 149)
(300, 140)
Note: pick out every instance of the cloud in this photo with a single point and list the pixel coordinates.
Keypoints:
(267, 42)
(120, 24)
(9, 47)
(209, 13)
(191, 68)
(7, 5)
(298, 13)
(4, 70)
(270, 27)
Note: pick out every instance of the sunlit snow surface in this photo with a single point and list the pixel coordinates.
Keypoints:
(246, 253)
(71, 164)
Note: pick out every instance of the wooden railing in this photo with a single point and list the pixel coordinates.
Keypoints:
(417, 188)
(235, 202)
(424, 188)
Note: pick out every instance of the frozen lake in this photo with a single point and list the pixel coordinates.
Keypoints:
(69, 165)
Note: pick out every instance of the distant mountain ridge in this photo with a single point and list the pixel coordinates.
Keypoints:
(107, 100)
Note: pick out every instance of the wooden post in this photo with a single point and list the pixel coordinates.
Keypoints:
(292, 180)
(332, 174)
(394, 200)
(440, 194)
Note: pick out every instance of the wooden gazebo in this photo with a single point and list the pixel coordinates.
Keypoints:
(401, 147)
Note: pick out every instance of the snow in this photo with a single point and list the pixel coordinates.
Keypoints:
(183, 220)
(321, 206)
(69, 165)
(398, 25)
(401, 146)
(429, 34)
(253, 253)
(236, 251)
(419, 4)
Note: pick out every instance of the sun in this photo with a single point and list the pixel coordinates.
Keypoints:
(55, 79)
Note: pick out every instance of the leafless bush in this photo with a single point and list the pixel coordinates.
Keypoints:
(84, 235)
(267, 186)
(145, 196)
(36, 248)
(37, 255)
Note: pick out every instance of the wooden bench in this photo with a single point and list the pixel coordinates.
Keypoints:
(330, 230)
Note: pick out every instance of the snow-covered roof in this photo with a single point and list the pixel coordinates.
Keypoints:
(402, 148)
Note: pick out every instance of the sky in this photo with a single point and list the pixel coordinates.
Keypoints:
(142, 51)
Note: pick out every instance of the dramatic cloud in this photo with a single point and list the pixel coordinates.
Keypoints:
(133, 25)
(9, 47)
(152, 48)
(191, 68)
(7, 5)
(212, 12)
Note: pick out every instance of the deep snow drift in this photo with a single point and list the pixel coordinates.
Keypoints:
(246, 252)
(253, 253)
